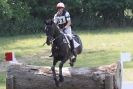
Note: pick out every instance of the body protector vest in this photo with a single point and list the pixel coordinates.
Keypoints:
(62, 20)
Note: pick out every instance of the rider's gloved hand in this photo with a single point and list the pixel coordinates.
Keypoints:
(64, 29)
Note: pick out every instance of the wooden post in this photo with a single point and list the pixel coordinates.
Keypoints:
(10, 82)
(109, 83)
(118, 76)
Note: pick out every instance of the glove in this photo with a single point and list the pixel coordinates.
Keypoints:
(64, 29)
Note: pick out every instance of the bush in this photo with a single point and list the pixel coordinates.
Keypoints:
(25, 26)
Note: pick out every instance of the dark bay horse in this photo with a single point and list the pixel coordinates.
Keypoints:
(61, 50)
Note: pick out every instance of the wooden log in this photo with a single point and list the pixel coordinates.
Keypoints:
(118, 76)
(109, 83)
(10, 82)
(34, 77)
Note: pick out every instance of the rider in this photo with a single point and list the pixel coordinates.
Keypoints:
(63, 21)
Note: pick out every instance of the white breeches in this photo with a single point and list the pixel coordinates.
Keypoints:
(68, 32)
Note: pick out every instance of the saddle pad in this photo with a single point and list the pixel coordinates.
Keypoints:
(75, 44)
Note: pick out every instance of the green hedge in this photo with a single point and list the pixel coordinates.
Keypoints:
(27, 16)
(25, 26)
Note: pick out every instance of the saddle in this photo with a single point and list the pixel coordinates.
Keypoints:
(76, 44)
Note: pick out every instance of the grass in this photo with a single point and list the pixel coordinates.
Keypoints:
(2, 86)
(2, 80)
(100, 47)
(128, 72)
(105, 45)
(22, 45)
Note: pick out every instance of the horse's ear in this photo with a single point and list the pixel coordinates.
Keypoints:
(46, 22)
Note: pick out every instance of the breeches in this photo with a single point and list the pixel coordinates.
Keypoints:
(68, 32)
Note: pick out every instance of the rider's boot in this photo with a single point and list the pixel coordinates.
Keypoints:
(72, 48)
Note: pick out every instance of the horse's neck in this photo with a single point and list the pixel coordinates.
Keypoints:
(56, 32)
(58, 35)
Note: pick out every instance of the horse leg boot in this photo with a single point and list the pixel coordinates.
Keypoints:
(51, 55)
(61, 78)
(72, 48)
(54, 73)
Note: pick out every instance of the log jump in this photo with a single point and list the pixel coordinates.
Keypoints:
(36, 77)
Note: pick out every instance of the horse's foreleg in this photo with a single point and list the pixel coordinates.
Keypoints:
(54, 73)
(61, 78)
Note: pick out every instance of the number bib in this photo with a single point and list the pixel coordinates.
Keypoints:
(61, 19)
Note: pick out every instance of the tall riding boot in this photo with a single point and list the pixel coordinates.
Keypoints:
(72, 47)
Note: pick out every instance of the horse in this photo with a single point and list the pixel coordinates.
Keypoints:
(61, 50)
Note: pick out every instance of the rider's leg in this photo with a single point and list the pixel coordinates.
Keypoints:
(69, 33)
(72, 47)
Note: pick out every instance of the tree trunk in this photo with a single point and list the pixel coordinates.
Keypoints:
(33, 77)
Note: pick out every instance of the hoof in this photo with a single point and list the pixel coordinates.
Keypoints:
(74, 60)
(61, 79)
(71, 64)
(57, 83)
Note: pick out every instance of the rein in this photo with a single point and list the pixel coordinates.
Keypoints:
(55, 38)
(67, 41)
(61, 33)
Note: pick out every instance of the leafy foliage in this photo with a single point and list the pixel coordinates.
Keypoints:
(5, 10)
(18, 16)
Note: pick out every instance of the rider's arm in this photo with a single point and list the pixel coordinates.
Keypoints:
(55, 19)
(68, 24)
(68, 19)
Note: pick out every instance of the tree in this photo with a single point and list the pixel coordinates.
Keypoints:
(5, 10)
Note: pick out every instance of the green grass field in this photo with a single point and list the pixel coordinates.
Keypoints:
(2, 80)
(100, 47)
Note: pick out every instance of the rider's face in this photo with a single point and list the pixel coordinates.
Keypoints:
(60, 10)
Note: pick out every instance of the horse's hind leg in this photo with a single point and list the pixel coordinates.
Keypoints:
(61, 78)
(54, 73)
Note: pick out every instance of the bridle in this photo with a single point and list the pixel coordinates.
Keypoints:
(52, 38)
